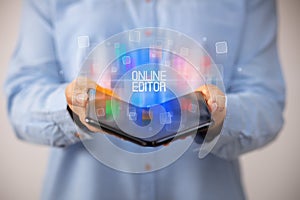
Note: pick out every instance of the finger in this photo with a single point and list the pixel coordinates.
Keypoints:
(68, 93)
(80, 86)
(76, 93)
(80, 98)
(204, 92)
(93, 129)
(212, 106)
(77, 109)
(221, 101)
(82, 118)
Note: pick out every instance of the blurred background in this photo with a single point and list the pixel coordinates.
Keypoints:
(269, 173)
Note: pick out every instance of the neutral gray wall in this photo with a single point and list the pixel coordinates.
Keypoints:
(269, 173)
(274, 172)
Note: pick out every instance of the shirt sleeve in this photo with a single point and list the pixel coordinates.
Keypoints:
(256, 98)
(34, 87)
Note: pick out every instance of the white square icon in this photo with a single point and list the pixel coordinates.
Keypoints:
(184, 51)
(126, 60)
(117, 45)
(134, 36)
(83, 41)
(100, 112)
(114, 69)
(132, 116)
(165, 118)
(221, 47)
(170, 42)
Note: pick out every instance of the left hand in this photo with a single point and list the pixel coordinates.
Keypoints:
(77, 97)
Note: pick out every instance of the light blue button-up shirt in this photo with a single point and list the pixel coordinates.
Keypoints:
(44, 63)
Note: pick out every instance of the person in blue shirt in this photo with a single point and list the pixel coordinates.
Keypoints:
(43, 66)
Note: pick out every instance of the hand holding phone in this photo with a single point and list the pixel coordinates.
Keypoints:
(80, 101)
(77, 98)
(148, 126)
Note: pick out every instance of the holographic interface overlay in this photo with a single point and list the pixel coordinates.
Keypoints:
(144, 76)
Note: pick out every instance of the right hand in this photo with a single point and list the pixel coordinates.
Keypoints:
(216, 101)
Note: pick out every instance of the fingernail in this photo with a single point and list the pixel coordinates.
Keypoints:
(204, 92)
(81, 98)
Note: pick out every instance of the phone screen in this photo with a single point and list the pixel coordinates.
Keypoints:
(148, 125)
